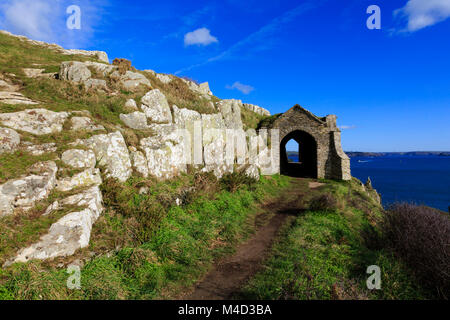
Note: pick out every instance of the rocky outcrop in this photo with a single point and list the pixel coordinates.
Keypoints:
(9, 140)
(35, 121)
(131, 105)
(100, 55)
(112, 153)
(37, 73)
(256, 109)
(84, 123)
(87, 178)
(371, 192)
(214, 143)
(100, 68)
(136, 120)
(79, 72)
(7, 97)
(38, 149)
(139, 162)
(156, 107)
(165, 153)
(70, 233)
(79, 159)
(202, 89)
(130, 80)
(22, 193)
(231, 113)
(74, 71)
(164, 78)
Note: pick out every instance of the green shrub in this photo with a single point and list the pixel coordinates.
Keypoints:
(324, 202)
(233, 181)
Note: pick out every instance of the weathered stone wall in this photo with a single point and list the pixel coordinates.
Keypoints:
(332, 162)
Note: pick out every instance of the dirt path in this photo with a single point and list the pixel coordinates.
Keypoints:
(231, 273)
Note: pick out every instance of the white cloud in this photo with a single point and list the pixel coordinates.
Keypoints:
(423, 13)
(200, 36)
(259, 39)
(347, 127)
(45, 20)
(244, 88)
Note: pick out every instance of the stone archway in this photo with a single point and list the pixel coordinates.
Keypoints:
(307, 155)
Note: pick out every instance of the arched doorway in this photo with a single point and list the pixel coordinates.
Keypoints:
(305, 165)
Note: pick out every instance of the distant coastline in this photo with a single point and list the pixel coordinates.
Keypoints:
(353, 154)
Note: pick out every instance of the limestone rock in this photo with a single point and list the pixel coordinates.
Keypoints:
(165, 154)
(103, 69)
(136, 120)
(214, 143)
(35, 121)
(37, 73)
(139, 162)
(95, 83)
(185, 117)
(131, 105)
(9, 140)
(6, 86)
(130, 80)
(164, 78)
(77, 158)
(74, 71)
(202, 89)
(100, 55)
(22, 193)
(86, 178)
(15, 98)
(38, 149)
(84, 123)
(191, 121)
(256, 109)
(156, 107)
(70, 233)
(112, 153)
(231, 112)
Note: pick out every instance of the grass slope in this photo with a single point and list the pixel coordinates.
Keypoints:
(177, 251)
(324, 254)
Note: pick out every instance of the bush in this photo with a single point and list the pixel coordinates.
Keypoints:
(325, 202)
(233, 181)
(420, 236)
(123, 64)
(144, 213)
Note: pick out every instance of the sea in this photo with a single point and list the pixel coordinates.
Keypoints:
(422, 180)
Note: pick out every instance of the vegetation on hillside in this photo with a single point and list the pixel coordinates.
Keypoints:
(145, 246)
(324, 253)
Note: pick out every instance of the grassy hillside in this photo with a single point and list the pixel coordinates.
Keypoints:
(325, 251)
(145, 247)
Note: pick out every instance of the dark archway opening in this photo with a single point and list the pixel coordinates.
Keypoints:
(303, 165)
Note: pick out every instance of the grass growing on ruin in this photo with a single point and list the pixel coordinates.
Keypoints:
(11, 167)
(324, 254)
(251, 119)
(172, 256)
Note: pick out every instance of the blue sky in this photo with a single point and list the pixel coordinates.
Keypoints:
(390, 88)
